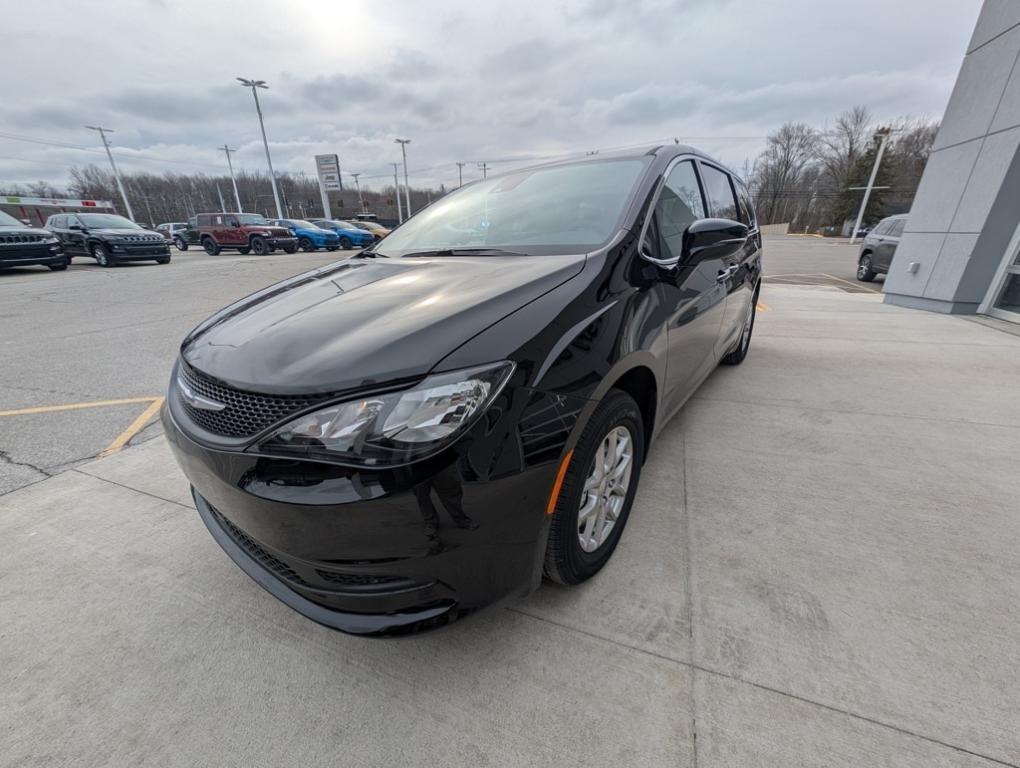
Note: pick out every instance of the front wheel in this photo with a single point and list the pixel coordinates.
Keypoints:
(736, 357)
(290, 249)
(865, 269)
(210, 246)
(102, 257)
(163, 260)
(345, 243)
(180, 243)
(597, 491)
(259, 246)
(306, 244)
(59, 266)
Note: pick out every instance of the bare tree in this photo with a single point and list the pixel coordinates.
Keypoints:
(779, 170)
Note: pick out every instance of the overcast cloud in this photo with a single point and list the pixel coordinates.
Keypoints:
(466, 81)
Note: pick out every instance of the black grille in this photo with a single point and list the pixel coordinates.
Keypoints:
(15, 239)
(249, 545)
(246, 413)
(362, 580)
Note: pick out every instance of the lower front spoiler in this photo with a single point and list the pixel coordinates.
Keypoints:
(390, 623)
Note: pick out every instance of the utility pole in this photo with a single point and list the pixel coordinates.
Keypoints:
(357, 186)
(460, 174)
(116, 173)
(396, 189)
(237, 198)
(255, 85)
(884, 133)
(407, 187)
(219, 192)
(148, 207)
(485, 169)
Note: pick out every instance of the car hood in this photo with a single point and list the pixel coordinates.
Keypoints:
(360, 323)
(21, 230)
(123, 231)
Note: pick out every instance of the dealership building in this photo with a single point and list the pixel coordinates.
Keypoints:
(960, 250)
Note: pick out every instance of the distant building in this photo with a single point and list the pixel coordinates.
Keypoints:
(37, 209)
(960, 250)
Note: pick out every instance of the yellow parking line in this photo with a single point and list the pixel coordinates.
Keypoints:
(75, 406)
(134, 428)
(855, 285)
(762, 307)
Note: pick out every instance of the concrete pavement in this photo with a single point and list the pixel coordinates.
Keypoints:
(822, 568)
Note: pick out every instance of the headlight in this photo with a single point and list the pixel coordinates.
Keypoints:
(393, 429)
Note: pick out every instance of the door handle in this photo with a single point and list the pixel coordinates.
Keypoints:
(726, 274)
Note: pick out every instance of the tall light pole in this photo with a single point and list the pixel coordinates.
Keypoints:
(396, 189)
(237, 198)
(357, 186)
(884, 133)
(460, 174)
(116, 173)
(255, 85)
(407, 187)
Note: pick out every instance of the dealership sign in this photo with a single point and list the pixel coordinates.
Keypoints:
(328, 168)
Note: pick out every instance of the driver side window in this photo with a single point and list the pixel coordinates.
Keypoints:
(680, 204)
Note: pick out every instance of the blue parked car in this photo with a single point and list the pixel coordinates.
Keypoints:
(350, 236)
(310, 236)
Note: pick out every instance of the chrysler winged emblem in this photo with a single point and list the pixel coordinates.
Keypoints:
(196, 400)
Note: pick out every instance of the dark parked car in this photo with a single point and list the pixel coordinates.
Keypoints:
(107, 238)
(309, 236)
(878, 247)
(171, 229)
(22, 245)
(242, 232)
(397, 439)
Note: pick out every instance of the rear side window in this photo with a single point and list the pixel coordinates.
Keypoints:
(719, 192)
(883, 227)
(193, 222)
(679, 205)
(897, 228)
(56, 221)
(746, 208)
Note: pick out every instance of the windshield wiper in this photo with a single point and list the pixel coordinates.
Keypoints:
(442, 252)
(370, 255)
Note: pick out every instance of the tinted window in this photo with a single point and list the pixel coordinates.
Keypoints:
(897, 228)
(193, 221)
(679, 206)
(719, 193)
(883, 227)
(57, 222)
(552, 209)
(746, 208)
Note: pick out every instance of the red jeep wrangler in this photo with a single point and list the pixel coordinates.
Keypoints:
(245, 232)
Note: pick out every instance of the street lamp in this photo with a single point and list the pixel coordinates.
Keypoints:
(361, 203)
(116, 173)
(255, 85)
(407, 189)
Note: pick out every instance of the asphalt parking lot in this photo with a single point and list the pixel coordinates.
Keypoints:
(822, 566)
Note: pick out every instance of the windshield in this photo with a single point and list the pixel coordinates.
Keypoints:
(106, 221)
(566, 207)
(252, 218)
(300, 224)
(6, 220)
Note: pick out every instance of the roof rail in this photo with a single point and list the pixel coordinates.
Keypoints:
(654, 149)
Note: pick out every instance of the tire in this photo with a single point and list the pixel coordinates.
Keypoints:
(259, 245)
(306, 245)
(290, 249)
(181, 245)
(736, 357)
(210, 246)
(346, 244)
(163, 260)
(102, 257)
(865, 269)
(332, 247)
(244, 251)
(60, 266)
(567, 559)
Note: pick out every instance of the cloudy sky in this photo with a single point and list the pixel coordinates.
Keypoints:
(466, 81)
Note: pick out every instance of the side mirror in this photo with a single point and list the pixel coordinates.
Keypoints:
(76, 228)
(718, 237)
(27, 222)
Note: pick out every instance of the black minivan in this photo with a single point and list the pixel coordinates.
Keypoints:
(394, 440)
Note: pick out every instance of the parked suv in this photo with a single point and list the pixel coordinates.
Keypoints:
(21, 244)
(169, 229)
(349, 234)
(310, 236)
(243, 232)
(878, 247)
(188, 236)
(107, 238)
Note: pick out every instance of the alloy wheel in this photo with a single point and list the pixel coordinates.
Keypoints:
(605, 490)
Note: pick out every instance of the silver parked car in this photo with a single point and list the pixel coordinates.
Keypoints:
(878, 247)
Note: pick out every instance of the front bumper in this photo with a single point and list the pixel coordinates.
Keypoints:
(139, 251)
(42, 253)
(282, 242)
(385, 551)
